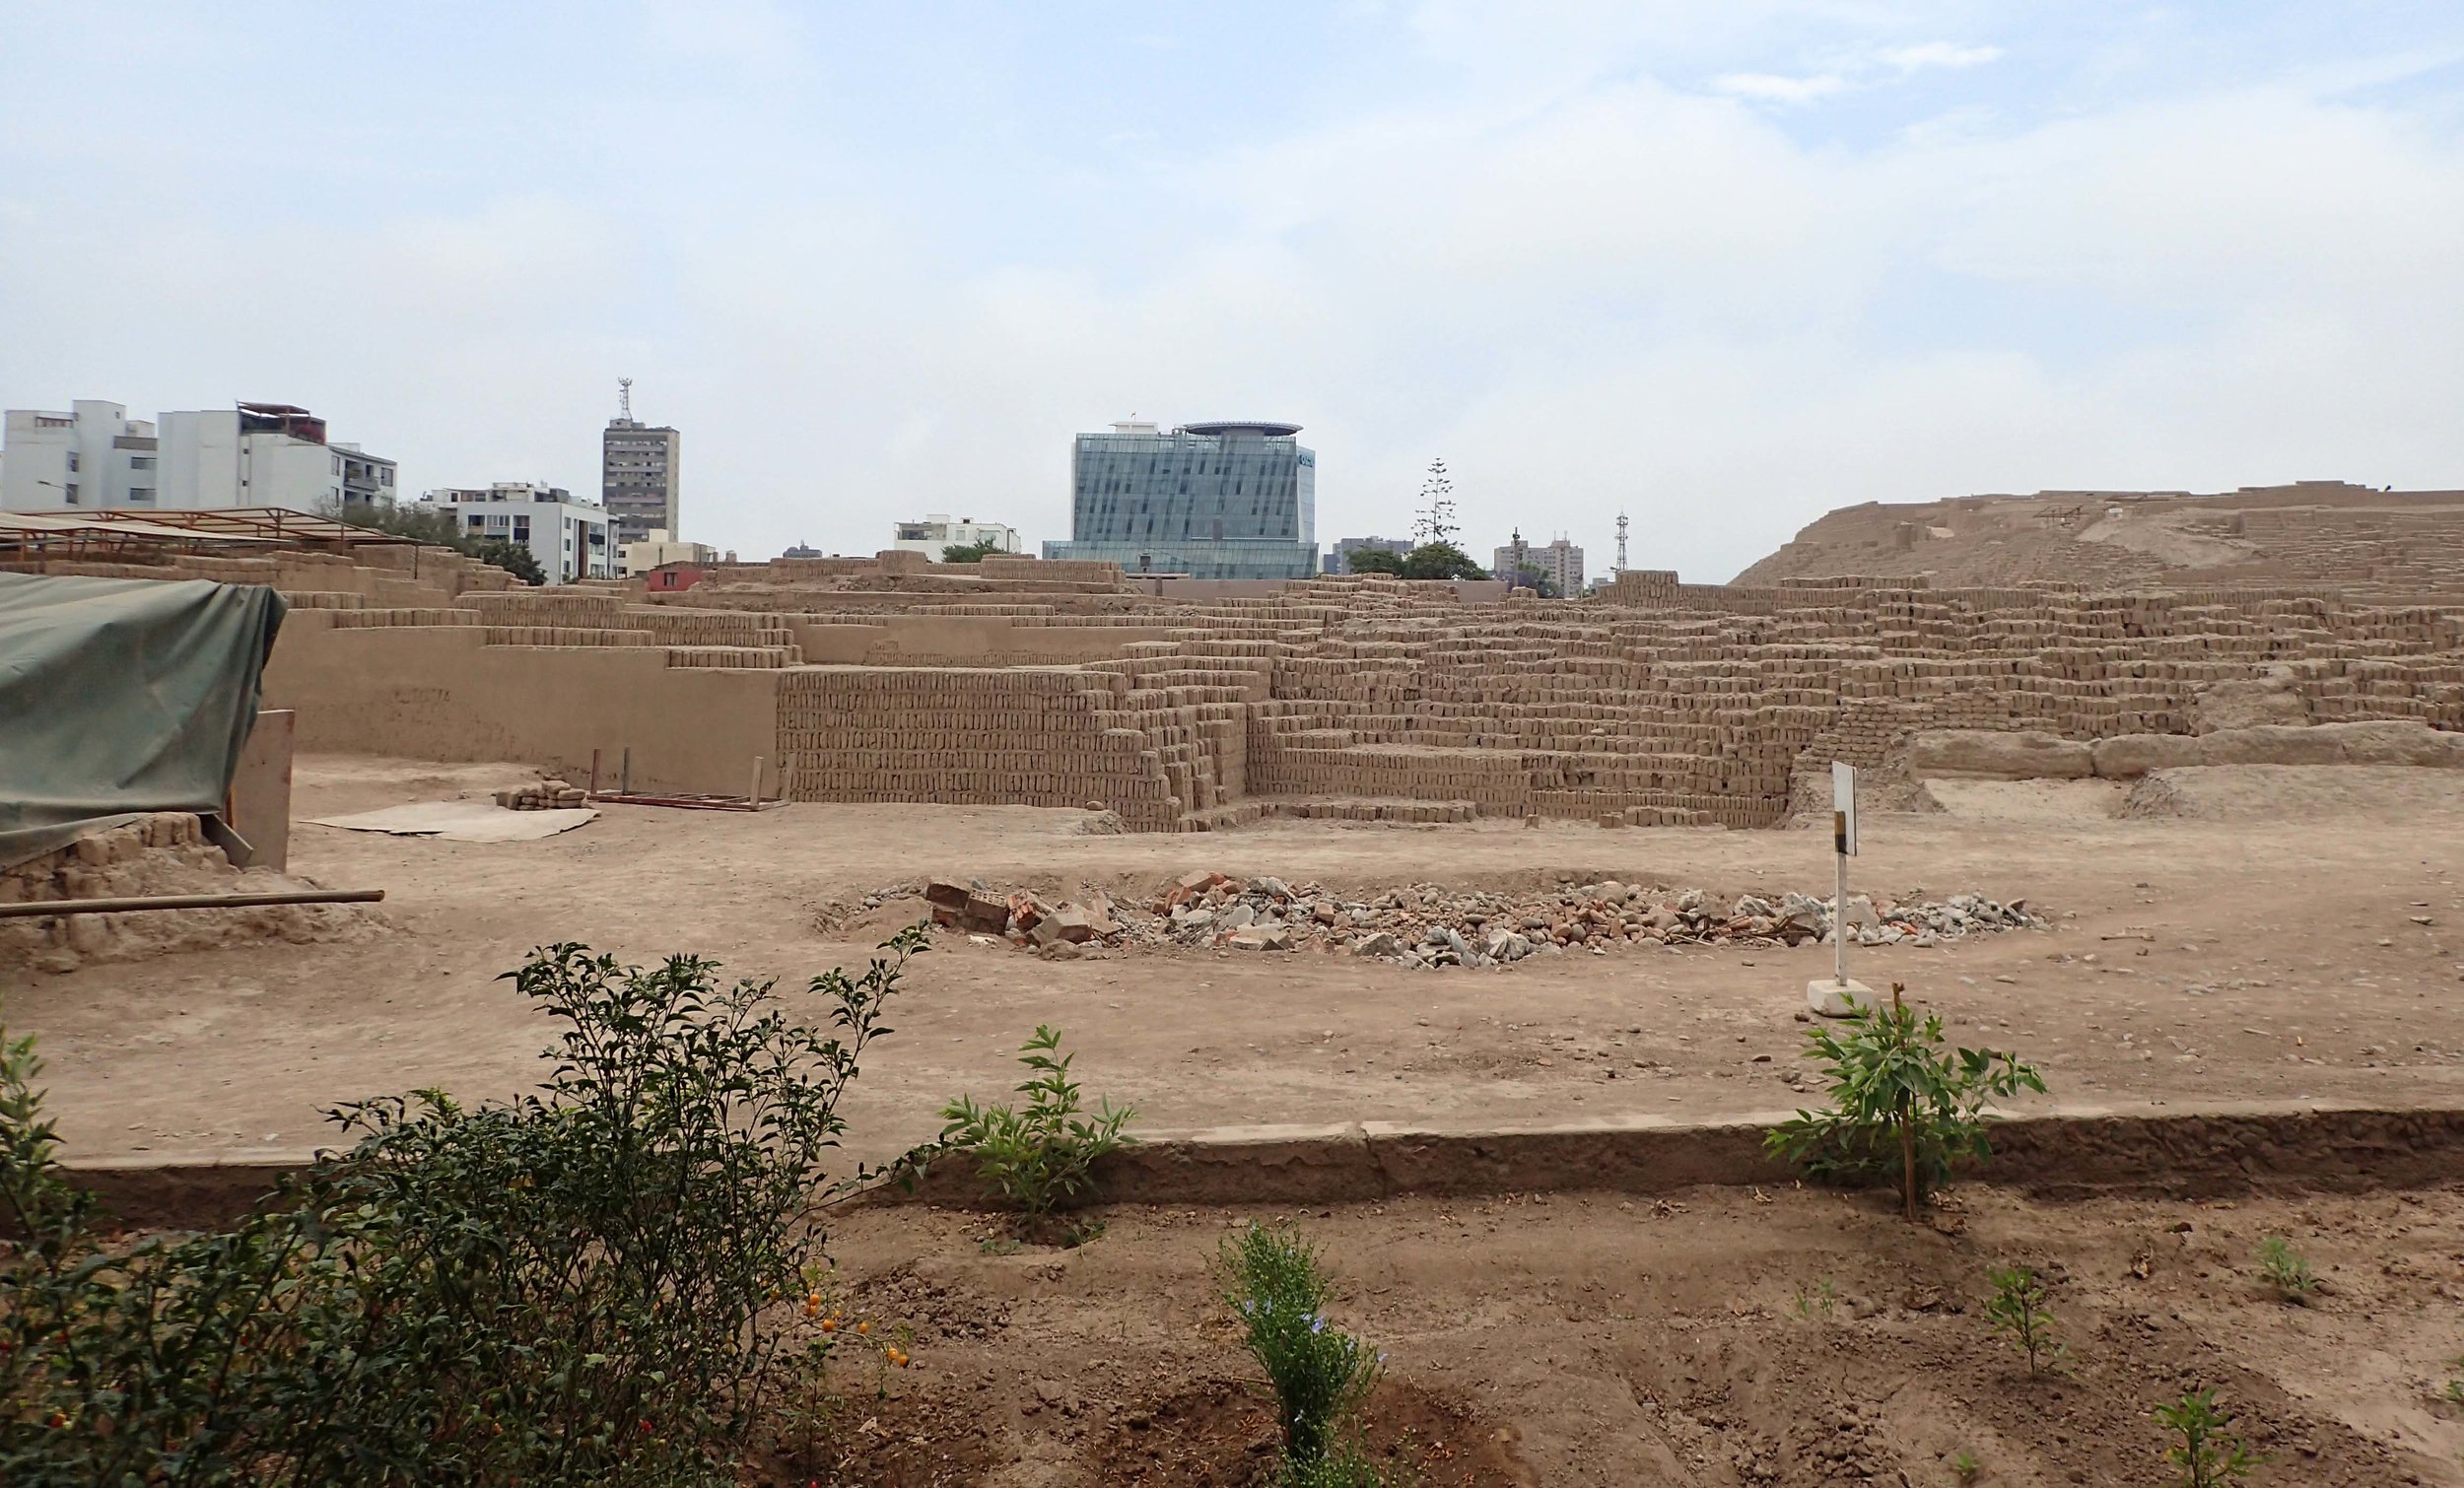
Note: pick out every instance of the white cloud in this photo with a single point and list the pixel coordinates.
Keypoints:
(1772, 87)
(1907, 59)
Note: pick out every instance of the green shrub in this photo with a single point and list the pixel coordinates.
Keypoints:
(1321, 1374)
(1901, 1107)
(2017, 1311)
(575, 1287)
(1037, 1159)
(2286, 1269)
(2207, 1453)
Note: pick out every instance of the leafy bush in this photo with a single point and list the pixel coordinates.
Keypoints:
(1321, 1374)
(2017, 1311)
(1037, 1159)
(2207, 1455)
(576, 1287)
(2286, 1269)
(1901, 1108)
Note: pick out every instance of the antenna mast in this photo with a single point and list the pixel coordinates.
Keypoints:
(624, 400)
(1621, 542)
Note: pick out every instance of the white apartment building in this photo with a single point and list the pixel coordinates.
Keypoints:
(1561, 561)
(659, 550)
(936, 531)
(571, 539)
(92, 456)
(253, 454)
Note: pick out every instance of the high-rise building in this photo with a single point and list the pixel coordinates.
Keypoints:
(1233, 500)
(638, 473)
(1561, 561)
(568, 537)
(253, 454)
(1339, 559)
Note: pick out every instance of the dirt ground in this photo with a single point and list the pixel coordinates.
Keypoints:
(2260, 951)
(1720, 1337)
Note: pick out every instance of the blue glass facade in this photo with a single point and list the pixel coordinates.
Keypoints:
(1214, 501)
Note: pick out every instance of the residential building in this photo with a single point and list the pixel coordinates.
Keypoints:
(253, 454)
(936, 531)
(569, 538)
(638, 466)
(94, 455)
(1339, 559)
(1228, 500)
(657, 550)
(1561, 561)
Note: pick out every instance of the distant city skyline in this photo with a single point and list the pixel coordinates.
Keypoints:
(1724, 267)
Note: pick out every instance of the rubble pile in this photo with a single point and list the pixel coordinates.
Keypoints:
(1431, 925)
(546, 795)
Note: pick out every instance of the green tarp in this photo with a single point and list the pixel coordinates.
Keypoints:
(122, 696)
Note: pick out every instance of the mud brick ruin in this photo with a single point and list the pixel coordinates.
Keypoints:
(2079, 617)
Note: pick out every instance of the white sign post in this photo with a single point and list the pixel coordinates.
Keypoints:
(1832, 998)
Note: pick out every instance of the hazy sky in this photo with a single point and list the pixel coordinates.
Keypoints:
(1724, 265)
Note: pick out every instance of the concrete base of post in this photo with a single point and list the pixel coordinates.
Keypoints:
(1830, 999)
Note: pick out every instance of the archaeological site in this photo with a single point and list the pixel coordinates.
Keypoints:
(1465, 932)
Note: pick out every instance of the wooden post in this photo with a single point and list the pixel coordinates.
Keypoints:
(753, 797)
(623, 773)
(594, 771)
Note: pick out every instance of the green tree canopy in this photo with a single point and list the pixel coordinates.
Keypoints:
(423, 521)
(1441, 560)
(975, 552)
(1375, 561)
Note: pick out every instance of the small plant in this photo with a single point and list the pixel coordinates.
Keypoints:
(1321, 1374)
(1038, 1159)
(2018, 1311)
(1902, 1107)
(2207, 1455)
(2286, 1269)
(1966, 1468)
(2455, 1385)
(1817, 1303)
(809, 1409)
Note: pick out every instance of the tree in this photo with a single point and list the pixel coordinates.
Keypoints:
(1538, 583)
(1435, 526)
(1441, 560)
(512, 557)
(1376, 561)
(975, 552)
(423, 522)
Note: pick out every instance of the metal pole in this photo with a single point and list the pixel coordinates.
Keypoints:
(1839, 919)
(623, 773)
(594, 771)
(187, 902)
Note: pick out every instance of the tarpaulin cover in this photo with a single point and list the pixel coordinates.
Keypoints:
(119, 697)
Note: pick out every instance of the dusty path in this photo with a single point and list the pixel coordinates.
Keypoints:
(2280, 959)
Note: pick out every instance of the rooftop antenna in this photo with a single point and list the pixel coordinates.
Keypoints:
(1621, 542)
(624, 400)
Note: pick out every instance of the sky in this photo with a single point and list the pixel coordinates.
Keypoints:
(1721, 265)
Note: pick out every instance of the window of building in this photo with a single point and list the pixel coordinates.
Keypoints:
(71, 489)
(141, 495)
(141, 462)
(72, 463)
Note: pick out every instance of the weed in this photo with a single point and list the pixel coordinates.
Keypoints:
(1817, 1303)
(1346, 1464)
(2018, 1311)
(1037, 1159)
(1901, 1107)
(582, 1286)
(809, 1409)
(1321, 1374)
(2286, 1269)
(2207, 1455)
(1966, 1468)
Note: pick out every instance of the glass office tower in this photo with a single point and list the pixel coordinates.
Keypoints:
(1213, 501)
